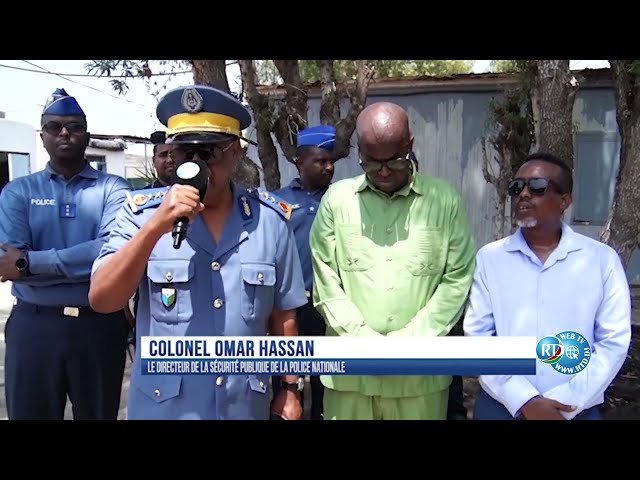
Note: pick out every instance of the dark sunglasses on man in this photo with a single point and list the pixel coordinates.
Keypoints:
(212, 152)
(537, 186)
(74, 128)
(397, 164)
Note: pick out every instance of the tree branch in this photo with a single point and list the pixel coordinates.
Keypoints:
(262, 112)
(292, 116)
(330, 103)
(488, 176)
(346, 126)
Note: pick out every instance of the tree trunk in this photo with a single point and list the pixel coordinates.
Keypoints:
(211, 72)
(622, 230)
(346, 126)
(330, 106)
(553, 95)
(292, 114)
(499, 182)
(262, 114)
(286, 117)
(214, 74)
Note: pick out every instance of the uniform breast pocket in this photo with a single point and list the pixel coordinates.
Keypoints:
(352, 254)
(170, 286)
(258, 287)
(425, 255)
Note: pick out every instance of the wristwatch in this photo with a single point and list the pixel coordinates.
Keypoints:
(297, 386)
(22, 263)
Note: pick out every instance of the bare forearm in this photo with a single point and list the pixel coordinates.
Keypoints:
(284, 323)
(117, 279)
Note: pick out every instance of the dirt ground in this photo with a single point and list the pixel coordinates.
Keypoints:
(623, 397)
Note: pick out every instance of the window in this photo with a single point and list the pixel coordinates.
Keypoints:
(4, 169)
(13, 165)
(99, 162)
(596, 168)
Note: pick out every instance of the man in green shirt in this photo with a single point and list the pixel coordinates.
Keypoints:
(392, 255)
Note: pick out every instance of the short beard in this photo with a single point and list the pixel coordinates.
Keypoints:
(527, 223)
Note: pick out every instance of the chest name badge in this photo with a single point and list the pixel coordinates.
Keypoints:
(168, 296)
(67, 210)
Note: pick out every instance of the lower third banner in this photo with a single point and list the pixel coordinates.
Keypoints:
(337, 356)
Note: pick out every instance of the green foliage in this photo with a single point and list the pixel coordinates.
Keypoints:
(634, 67)
(504, 66)
(347, 69)
(124, 70)
(510, 119)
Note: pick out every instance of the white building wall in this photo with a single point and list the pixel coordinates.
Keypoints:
(16, 137)
(114, 159)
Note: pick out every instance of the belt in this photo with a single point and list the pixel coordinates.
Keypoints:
(65, 311)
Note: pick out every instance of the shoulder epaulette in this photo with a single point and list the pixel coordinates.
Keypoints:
(269, 199)
(146, 198)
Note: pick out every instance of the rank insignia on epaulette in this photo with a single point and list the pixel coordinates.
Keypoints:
(277, 204)
(140, 199)
(285, 207)
(245, 208)
(150, 197)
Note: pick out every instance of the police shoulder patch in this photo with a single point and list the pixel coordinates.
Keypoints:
(139, 200)
(267, 198)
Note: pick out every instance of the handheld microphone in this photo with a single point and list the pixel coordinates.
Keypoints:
(195, 173)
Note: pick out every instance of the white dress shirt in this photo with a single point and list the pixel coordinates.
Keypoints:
(581, 287)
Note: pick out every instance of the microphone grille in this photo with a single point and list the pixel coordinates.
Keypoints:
(188, 171)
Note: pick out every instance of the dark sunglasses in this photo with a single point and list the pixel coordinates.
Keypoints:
(204, 154)
(397, 164)
(537, 186)
(54, 128)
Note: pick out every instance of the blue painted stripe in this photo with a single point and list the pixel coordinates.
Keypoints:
(369, 366)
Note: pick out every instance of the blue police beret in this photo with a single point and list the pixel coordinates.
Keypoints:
(62, 104)
(201, 114)
(321, 136)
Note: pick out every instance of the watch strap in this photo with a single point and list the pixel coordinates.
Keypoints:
(294, 387)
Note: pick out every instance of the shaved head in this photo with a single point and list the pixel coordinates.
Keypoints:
(383, 122)
(385, 144)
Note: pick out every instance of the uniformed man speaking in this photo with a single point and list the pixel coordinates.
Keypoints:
(237, 272)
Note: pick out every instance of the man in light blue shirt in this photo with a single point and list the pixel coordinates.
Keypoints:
(52, 226)
(315, 161)
(567, 290)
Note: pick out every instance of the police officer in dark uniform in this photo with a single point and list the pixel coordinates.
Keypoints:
(162, 161)
(52, 226)
(237, 272)
(315, 160)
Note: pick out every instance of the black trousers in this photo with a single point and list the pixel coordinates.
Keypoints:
(310, 323)
(456, 409)
(50, 356)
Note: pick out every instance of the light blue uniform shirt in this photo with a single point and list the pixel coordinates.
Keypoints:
(63, 224)
(305, 206)
(224, 289)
